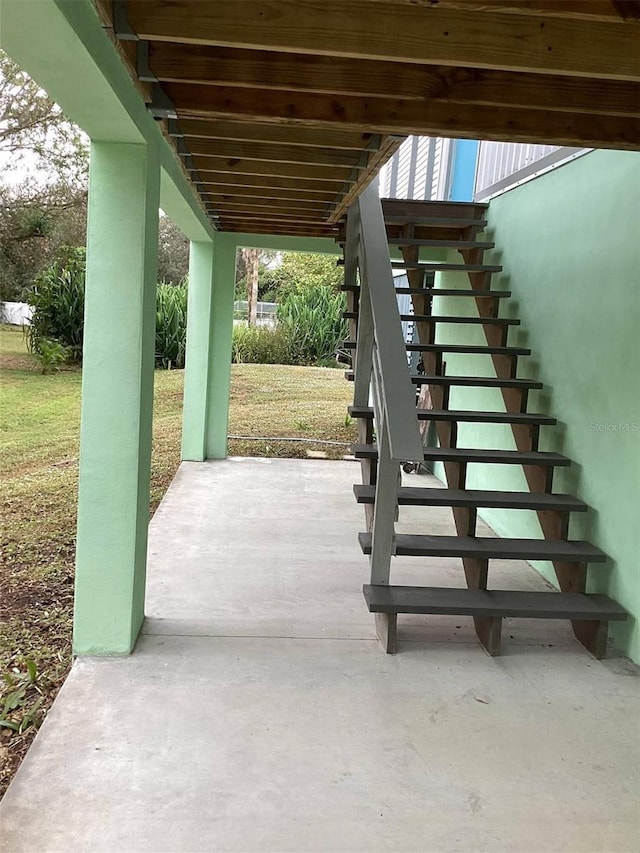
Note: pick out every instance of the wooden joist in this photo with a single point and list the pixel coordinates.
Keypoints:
(268, 168)
(275, 153)
(364, 78)
(271, 133)
(272, 91)
(399, 32)
(403, 116)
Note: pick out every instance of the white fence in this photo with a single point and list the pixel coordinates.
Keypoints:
(16, 313)
(265, 313)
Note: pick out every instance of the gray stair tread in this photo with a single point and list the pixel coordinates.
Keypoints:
(436, 221)
(466, 381)
(445, 244)
(472, 455)
(417, 496)
(416, 545)
(440, 291)
(491, 602)
(446, 291)
(474, 381)
(459, 348)
(477, 321)
(436, 267)
(465, 417)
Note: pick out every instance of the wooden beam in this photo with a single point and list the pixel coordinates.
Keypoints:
(410, 117)
(284, 230)
(250, 131)
(225, 193)
(399, 32)
(310, 214)
(390, 145)
(368, 78)
(232, 182)
(267, 168)
(595, 10)
(275, 220)
(275, 153)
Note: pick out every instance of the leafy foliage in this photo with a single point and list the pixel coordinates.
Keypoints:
(47, 207)
(34, 132)
(260, 345)
(57, 298)
(313, 323)
(22, 703)
(299, 272)
(51, 355)
(57, 325)
(171, 325)
(173, 252)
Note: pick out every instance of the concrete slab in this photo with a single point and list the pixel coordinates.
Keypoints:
(278, 725)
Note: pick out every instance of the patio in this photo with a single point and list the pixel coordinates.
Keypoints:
(259, 713)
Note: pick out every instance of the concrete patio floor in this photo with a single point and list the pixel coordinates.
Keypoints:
(258, 713)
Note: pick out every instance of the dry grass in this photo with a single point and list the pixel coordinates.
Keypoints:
(39, 423)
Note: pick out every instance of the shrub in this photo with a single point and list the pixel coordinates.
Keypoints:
(57, 297)
(171, 325)
(260, 345)
(313, 324)
(51, 355)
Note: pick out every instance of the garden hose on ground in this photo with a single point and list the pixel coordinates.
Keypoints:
(282, 438)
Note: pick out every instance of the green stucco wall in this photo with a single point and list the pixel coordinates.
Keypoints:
(569, 243)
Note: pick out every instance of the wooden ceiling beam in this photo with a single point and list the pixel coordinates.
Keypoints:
(243, 227)
(315, 214)
(308, 187)
(267, 168)
(273, 134)
(401, 33)
(287, 217)
(410, 117)
(366, 78)
(593, 10)
(216, 191)
(301, 154)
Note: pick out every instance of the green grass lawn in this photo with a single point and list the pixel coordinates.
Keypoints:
(39, 428)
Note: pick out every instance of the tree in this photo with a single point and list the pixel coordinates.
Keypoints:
(35, 135)
(34, 224)
(43, 193)
(252, 262)
(173, 252)
(302, 271)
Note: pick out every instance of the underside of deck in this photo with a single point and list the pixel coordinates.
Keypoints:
(281, 113)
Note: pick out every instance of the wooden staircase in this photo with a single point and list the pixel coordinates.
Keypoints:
(412, 226)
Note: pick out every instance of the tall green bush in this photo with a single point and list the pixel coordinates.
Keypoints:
(171, 325)
(313, 324)
(57, 297)
(259, 345)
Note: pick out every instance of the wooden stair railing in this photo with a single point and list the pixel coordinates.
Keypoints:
(410, 226)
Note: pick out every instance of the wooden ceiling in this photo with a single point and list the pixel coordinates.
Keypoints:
(283, 110)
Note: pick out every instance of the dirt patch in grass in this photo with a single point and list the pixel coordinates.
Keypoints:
(39, 430)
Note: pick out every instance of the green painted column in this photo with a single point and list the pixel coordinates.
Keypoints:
(199, 335)
(224, 273)
(117, 397)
